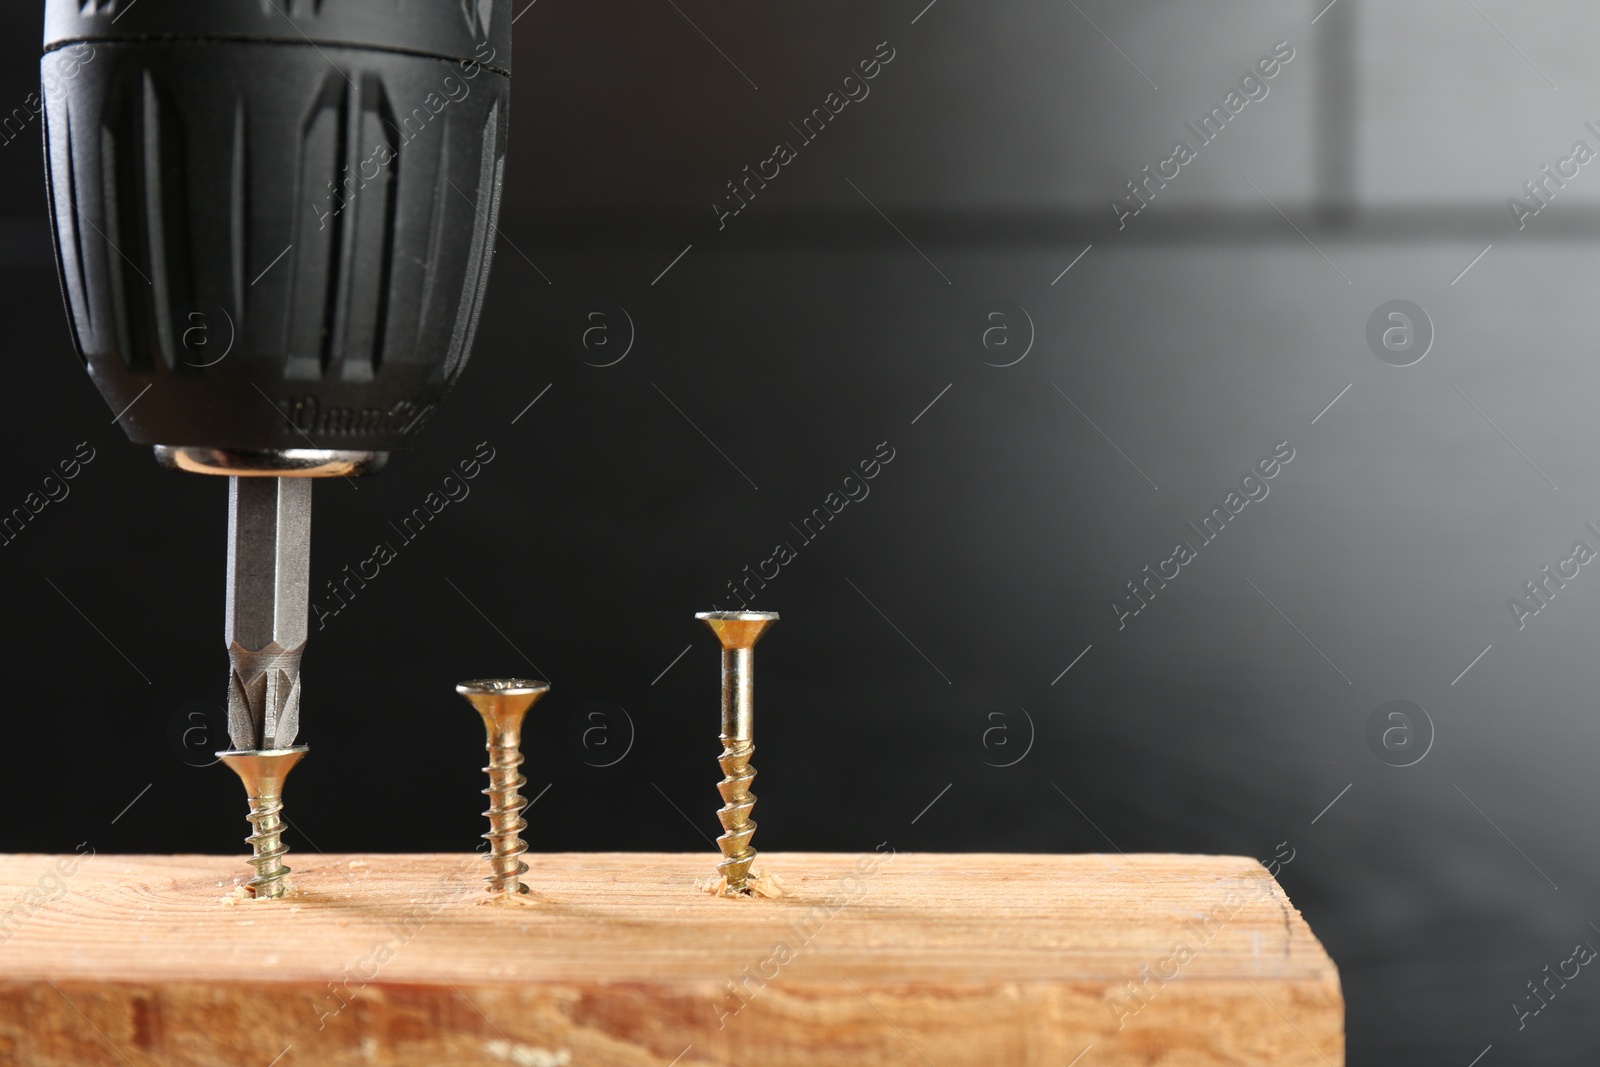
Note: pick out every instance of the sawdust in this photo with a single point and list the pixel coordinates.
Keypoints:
(240, 894)
(759, 884)
(514, 900)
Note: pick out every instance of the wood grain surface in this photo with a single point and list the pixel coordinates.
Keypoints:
(617, 958)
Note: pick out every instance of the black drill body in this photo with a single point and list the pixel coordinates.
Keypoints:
(274, 218)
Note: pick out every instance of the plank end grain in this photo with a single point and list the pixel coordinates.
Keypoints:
(620, 959)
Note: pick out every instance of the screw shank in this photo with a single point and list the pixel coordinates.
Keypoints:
(268, 607)
(739, 694)
(506, 804)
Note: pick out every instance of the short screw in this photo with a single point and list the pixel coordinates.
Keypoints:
(262, 773)
(503, 702)
(738, 631)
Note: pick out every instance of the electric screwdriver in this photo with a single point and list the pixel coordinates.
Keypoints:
(274, 221)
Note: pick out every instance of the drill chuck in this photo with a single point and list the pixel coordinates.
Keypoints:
(274, 220)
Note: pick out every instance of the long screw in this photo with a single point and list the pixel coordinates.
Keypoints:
(738, 631)
(503, 702)
(263, 773)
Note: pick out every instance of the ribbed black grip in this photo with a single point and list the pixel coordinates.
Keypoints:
(267, 246)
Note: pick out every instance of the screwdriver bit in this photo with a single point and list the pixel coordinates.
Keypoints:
(269, 581)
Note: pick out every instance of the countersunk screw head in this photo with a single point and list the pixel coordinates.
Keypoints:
(738, 629)
(503, 701)
(263, 772)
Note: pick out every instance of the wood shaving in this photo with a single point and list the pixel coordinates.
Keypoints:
(759, 884)
(241, 894)
(509, 899)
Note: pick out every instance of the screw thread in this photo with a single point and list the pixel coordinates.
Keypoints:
(505, 819)
(267, 847)
(737, 855)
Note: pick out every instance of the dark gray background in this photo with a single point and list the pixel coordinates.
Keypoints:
(1225, 718)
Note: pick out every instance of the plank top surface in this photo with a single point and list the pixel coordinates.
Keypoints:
(627, 917)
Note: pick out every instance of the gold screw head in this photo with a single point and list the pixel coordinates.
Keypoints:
(502, 702)
(738, 629)
(263, 772)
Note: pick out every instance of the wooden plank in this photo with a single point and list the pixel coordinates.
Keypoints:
(1022, 961)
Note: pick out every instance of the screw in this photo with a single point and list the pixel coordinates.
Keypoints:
(262, 773)
(738, 631)
(503, 702)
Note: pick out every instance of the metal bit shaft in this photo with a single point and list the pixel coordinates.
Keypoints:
(269, 607)
(738, 632)
(502, 703)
